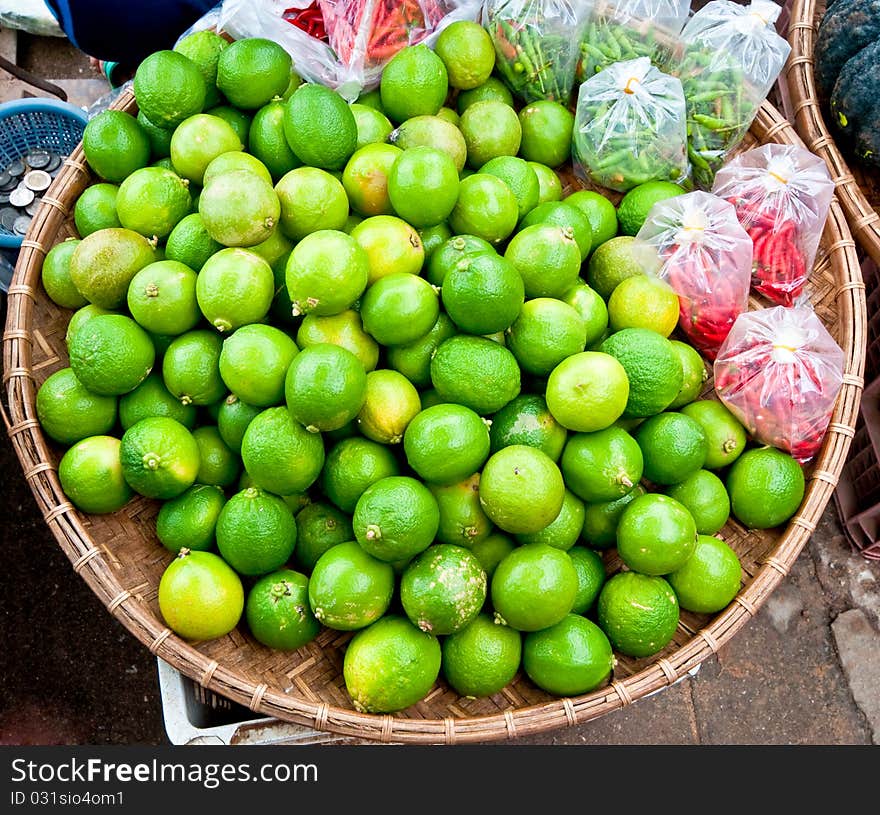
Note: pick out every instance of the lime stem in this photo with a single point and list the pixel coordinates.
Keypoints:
(151, 461)
(626, 481)
(373, 532)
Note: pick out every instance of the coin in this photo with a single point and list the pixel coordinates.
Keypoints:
(21, 225)
(4, 197)
(37, 180)
(5, 178)
(54, 163)
(16, 169)
(38, 159)
(10, 184)
(21, 197)
(34, 206)
(7, 218)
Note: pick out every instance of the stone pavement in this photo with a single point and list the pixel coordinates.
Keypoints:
(806, 670)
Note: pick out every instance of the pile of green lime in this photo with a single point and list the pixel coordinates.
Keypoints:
(382, 375)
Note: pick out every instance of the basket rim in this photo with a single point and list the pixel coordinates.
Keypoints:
(89, 561)
(809, 122)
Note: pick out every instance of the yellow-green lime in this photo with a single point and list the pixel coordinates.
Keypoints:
(91, 475)
(254, 363)
(280, 454)
(68, 411)
(482, 658)
(253, 70)
(467, 52)
(414, 83)
(319, 527)
(239, 208)
(191, 367)
(492, 550)
(391, 403)
(235, 287)
(449, 115)
(350, 589)
(423, 186)
(96, 209)
(704, 495)
(160, 457)
(390, 665)
(520, 177)
(521, 489)
(590, 569)
(695, 376)
(766, 487)
(111, 354)
(320, 127)
(218, 464)
(278, 613)
(197, 141)
(162, 298)
(188, 521)
(204, 48)
(656, 534)
(564, 530)
(399, 309)
(152, 398)
(326, 273)
(549, 183)
(725, 436)
(373, 126)
(55, 274)
(587, 391)
(462, 520)
(486, 208)
(639, 613)
(612, 262)
(396, 518)
(235, 160)
(534, 587)
(275, 250)
(600, 213)
(475, 372)
(266, 140)
(601, 519)
(443, 589)
(169, 87)
(592, 310)
(352, 465)
(547, 257)
(643, 302)
(527, 420)
(490, 128)
(547, 127)
(546, 332)
(115, 145)
(493, 89)
(602, 466)
(636, 204)
(674, 446)
(365, 179)
(569, 658)
(414, 359)
(446, 443)
(233, 417)
(189, 242)
(325, 387)
(391, 244)
(200, 596)
(483, 294)
(432, 131)
(345, 329)
(710, 579)
(239, 120)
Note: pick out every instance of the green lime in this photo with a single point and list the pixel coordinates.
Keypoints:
(492, 550)
(349, 589)
(602, 466)
(482, 658)
(80, 317)
(453, 252)
(345, 329)
(639, 613)
(325, 387)
(162, 298)
(695, 376)
(636, 204)
(674, 447)
(588, 391)
(486, 208)
(96, 209)
(111, 354)
(433, 237)
(493, 89)
(267, 142)
(396, 518)
(656, 534)
(92, 476)
(549, 183)
(546, 132)
(233, 418)
(462, 520)
(352, 465)
(115, 145)
(191, 367)
(599, 211)
(391, 244)
(278, 613)
(490, 128)
(467, 52)
(423, 186)
(521, 489)
(568, 217)
(613, 261)
(371, 99)
(447, 443)
(435, 132)
(391, 403)
(319, 527)
(483, 294)
(197, 141)
(710, 578)
(399, 309)
(218, 464)
(520, 177)
(547, 257)
(766, 487)
(200, 596)
(475, 372)
(189, 242)
(562, 532)
(546, 333)
(235, 287)
(652, 366)
(725, 435)
(152, 398)
(390, 665)
(320, 127)
(68, 411)
(414, 359)
(590, 569)
(311, 200)
(592, 310)
(527, 420)
(239, 120)
(159, 137)
(373, 126)
(55, 275)
(204, 48)
(703, 494)
(253, 70)
(280, 454)
(601, 519)
(152, 201)
(449, 115)
(233, 161)
(365, 179)
(254, 362)
(569, 658)
(643, 302)
(188, 521)
(534, 587)
(414, 83)
(160, 457)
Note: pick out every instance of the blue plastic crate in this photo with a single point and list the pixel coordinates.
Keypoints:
(30, 124)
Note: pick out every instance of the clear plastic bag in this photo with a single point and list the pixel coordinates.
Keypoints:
(731, 56)
(705, 255)
(536, 44)
(344, 44)
(630, 127)
(628, 29)
(779, 372)
(781, 193)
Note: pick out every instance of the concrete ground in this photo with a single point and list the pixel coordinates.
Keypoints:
(806, 670)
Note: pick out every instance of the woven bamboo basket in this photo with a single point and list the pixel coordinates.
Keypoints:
(120, 558)
(858, 188)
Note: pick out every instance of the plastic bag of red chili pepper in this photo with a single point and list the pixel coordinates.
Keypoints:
(781, 193)
(706, 256)
(779, 372)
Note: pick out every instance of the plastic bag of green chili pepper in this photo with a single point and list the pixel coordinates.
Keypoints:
(731, 57)
(630, 127)
(627, 29)
(536, 44)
